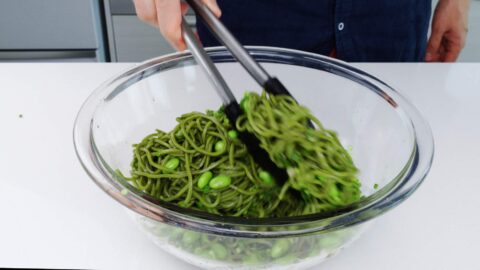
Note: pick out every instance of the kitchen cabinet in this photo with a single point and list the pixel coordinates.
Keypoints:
(130, 39)
(136, 41)
(51, 29)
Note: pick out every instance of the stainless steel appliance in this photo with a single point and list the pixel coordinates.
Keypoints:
(131, 40)
(52, 30)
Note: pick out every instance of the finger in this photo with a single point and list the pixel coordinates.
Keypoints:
(146, 11)
(169, 19)
(184, 7)
(454, 43)
(442, 51)
(451, 56)
(433, 57)
(433, 44)
(451, 52)
(212, 4)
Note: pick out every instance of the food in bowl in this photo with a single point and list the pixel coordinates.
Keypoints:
(222, 252)
(201, 164)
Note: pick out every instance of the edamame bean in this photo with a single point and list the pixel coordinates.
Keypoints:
(200, 251)
(238, 250)
(204, 179)
(334, 193)
(233, 134)
(220, 146)
(205, 238)
(220, 251)
(280, 247)
(159, 231)
(172, 164)
(219, 182)
(266, 177)
(251, 259)
(209, 254)
(313, 252)
(176, 233)
(190, 237)
(330, 242)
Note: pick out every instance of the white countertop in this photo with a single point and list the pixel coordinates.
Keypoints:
(53, 215)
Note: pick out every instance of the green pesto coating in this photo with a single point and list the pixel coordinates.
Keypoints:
(171, 166)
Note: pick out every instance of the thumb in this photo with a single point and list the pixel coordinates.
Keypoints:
(433, 45)
(213, 6)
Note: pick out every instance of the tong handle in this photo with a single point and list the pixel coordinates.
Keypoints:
(270, 84)
(207, 65)
(232, 109)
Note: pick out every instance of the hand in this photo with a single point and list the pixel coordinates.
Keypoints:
(449, 31)
(167, 16)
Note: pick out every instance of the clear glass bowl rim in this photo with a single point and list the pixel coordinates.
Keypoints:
(399, 188)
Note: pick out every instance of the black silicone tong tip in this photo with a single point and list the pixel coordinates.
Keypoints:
(261, 157)
(275, 87)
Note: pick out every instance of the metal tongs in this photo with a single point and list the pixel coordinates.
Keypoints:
(232, 109)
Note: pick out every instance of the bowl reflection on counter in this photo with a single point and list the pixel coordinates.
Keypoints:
(390, 143)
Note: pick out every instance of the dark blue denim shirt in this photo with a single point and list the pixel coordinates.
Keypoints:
(358, 31)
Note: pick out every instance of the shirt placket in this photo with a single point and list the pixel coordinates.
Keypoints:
(343, 42)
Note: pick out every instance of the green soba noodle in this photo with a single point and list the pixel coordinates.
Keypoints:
(201, 164)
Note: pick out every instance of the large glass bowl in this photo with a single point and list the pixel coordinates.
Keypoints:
(389, 141)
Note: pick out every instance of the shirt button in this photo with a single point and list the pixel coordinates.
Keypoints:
(340, 26)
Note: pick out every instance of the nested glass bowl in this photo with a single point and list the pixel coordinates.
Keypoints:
(390, 143)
